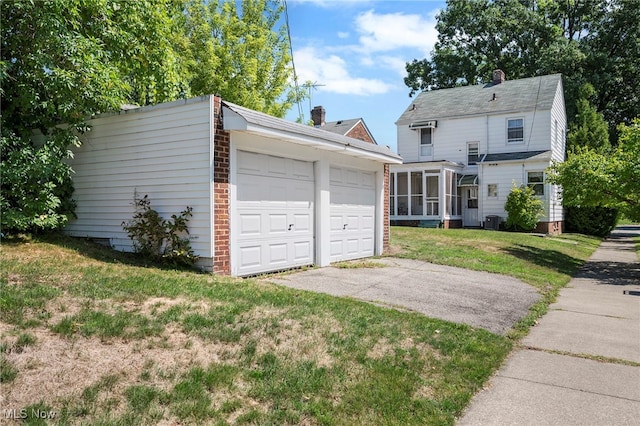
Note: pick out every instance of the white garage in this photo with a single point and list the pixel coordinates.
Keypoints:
(266, 194)
(301, 195)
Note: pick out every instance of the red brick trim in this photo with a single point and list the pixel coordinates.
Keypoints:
(385, 213)
(221, 194)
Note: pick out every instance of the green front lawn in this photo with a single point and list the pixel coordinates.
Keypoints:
(97, 337)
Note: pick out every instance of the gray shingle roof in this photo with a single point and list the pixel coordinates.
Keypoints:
(319, 134)
(341, 126)
(511, 156)
(512, 95)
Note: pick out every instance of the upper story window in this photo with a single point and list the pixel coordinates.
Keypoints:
(535, 180)
(472, 153)
(515, 130)
(426, 142)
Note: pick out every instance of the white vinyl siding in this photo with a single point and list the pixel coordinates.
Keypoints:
(162, 152)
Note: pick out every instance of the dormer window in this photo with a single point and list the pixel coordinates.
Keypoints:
(426, 142)
(515, 130)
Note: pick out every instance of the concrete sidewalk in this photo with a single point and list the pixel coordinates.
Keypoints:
(555, 378)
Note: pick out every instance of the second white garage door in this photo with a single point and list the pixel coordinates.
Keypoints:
(353, 200)
(275, 204)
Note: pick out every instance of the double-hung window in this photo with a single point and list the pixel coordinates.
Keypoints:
(515, 130)
(472, 153)
(535, 180)
(426, 142)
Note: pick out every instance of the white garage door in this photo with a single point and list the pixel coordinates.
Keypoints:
(353, 200)
(274, 202)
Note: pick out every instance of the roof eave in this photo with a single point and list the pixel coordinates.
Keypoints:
(234, 121)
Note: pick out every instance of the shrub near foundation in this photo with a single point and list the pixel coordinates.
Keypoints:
(523, 209)
(160, 239)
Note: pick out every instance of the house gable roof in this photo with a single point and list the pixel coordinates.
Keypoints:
(343, 127)
(244, 119)
(524, 94)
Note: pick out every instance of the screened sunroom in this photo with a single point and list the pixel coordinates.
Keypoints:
(426, 194)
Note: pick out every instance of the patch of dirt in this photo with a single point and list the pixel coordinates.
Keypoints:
(56, 368)
(295, 340)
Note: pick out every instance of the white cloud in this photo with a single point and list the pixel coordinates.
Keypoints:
(343, 34)
(385, 32)
(394, 63)
(332, 71)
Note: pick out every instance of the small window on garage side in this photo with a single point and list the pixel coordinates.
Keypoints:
(535, 180)
(515, 130)
(492, 190)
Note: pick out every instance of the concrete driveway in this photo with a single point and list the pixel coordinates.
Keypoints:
(480, 299)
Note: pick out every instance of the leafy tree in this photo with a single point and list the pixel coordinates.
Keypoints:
(240, 52)
(589, 129)
(63, 61)
(523, 208)
(589, 41)
(590, 178)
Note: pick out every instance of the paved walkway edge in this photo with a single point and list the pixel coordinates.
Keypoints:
(559, 377)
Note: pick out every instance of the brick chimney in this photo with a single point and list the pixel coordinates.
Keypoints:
(498, 77)
(317, 115)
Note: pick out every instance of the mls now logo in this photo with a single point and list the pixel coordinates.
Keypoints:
(34, 413)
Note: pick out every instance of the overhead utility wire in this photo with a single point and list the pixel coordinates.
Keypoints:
(293, 64)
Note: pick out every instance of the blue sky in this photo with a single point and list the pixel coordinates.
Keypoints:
(357, 49)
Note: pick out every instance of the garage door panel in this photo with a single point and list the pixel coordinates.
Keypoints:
(302, 251)
(274, 203)
(277, 224)
(250, 224)
(367, 223)
(302, 223)
(250, 256)
(337, 248)
(367, 245)
(353, 246)
(337, 223)
(277, 254)
(353, 200)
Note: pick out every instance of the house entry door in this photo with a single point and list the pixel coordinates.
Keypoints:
(470, 209)
(432, 195)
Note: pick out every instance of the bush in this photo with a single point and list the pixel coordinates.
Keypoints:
(158, 239)
(523, 209)
(598, 221)
(35, 195)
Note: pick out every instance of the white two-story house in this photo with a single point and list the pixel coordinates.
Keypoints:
(464, 148)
